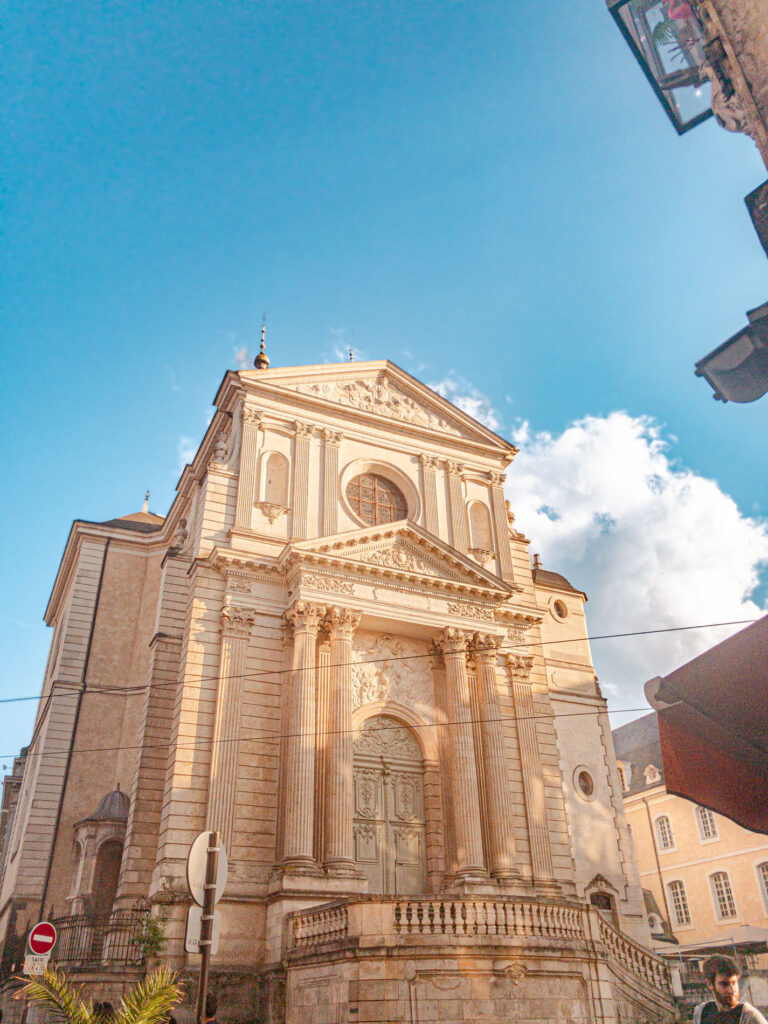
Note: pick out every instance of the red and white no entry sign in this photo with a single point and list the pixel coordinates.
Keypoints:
(42, 938)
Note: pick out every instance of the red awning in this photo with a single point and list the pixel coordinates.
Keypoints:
(713, 726)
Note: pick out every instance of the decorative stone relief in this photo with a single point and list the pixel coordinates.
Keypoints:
(382, 736)
(239, 588)
(366, 796)
(180, 538)
(237, 622)
(390, 668)
(481, 555)
(398, 557)
(220, 447)
(382, 397)
(327, 583)
(471, 611)
(272, 512)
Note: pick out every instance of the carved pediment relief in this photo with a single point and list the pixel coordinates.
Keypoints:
(400, 550)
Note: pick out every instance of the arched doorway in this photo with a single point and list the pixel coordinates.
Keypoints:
(389, 824)
(106, 876)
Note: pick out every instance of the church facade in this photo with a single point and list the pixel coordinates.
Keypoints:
(336, 651)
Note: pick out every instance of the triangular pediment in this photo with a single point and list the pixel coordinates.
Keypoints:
(378, 390)
(400, 549)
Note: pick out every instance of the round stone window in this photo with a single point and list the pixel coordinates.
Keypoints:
(376, 500)
(559, 609)
(585, 784)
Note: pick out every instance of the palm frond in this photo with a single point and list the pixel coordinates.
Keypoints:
(59, 997)
(151, 1001)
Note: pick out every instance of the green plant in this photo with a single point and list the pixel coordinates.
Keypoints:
(149, 1002)
(151, 938)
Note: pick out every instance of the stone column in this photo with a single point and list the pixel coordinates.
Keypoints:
(249, 449)
(339, 849)
(500, 524)
(533, 781)
(458, 509)
(331, 442)
(236, 625)
(501, 843)
(299, 764)
(466, 803)
(300, 500)
(429, 487)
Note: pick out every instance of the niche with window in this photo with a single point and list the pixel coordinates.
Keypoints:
(480, 535)
(274, 485)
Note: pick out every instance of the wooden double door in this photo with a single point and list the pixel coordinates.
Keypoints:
(389, 824)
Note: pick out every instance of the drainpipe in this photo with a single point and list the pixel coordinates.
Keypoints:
(658, 863)
(74, 734)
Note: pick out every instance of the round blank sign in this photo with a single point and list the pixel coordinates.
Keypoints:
(196, 863)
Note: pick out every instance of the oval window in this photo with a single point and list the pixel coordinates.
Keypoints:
(376, 500)
(586, 785)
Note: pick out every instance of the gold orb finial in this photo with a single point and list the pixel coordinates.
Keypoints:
(261, 362)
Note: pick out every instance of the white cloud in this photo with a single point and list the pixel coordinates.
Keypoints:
(242, 359)
(186, 451)
(467, 398)
(652, 543)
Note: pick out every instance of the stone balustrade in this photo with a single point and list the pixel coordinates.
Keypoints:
(375, 920)
(631, 956)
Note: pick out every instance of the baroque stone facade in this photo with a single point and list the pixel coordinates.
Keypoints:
(334, 650)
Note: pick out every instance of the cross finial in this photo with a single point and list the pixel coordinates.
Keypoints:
(261, 362)
(145, 506)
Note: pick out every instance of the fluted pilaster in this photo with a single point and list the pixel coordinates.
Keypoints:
(501, 843)
(452, 643)
(331, 442)
(339, 849)
(249, 449)
(429, 487)
(533, 781)
(500, 524)
(300, 743)
(458, 511)
(300, 502)
(236, 625)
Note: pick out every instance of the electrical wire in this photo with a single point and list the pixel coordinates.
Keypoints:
(127, 690)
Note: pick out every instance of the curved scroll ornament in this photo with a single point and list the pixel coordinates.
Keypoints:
(384, 737)
(390, 668)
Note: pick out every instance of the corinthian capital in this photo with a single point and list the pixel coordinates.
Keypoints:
(428, 461)
(305, 617)
(485, 646)
(497, 478)
(237, 622)
(303, 429)
(251, 415)
(331, 437)
(341, 623)
(451, 641)
(454, 468)
(519, 666)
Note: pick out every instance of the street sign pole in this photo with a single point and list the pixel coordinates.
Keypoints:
(206, 922)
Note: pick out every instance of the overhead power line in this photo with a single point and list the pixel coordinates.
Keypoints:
(273, 673)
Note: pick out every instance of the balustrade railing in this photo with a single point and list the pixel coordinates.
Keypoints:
(90, 939)
(469, 918)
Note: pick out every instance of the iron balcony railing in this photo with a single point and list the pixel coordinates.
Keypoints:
(85, 940)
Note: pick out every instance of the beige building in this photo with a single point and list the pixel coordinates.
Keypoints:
(709, 876)
(334, 650)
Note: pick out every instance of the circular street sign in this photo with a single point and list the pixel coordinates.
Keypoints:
(42, 938)
(196, 863)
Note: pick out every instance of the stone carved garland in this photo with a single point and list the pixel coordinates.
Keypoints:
(327, 583)
(471, 611)
(390, 668)
(384, 737)
(382, 397)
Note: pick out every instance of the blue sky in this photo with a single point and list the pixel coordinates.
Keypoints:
(487, 194)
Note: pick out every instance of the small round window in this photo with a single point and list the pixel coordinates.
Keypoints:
(585, 783)
(376, 500)
(560, 610)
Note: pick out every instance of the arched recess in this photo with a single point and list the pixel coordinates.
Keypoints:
(274, 479)
(106, 875)
(480, 532)
(602, 896)
(397, 823)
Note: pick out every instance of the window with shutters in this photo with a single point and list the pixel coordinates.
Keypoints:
(725, 904)
(679, 901)
(665, 834)
(705, 819)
